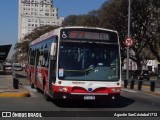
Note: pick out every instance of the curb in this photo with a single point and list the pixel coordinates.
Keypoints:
(153, 93)
(24, 93)
(144, 86)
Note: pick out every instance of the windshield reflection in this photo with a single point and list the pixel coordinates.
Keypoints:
(88, 61)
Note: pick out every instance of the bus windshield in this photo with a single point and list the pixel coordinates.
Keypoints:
(89, 61)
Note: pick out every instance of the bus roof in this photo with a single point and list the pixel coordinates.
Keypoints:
(55, 32)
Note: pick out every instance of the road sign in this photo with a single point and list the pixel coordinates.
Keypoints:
(129, 42)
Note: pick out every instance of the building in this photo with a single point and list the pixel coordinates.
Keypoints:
(36, 13)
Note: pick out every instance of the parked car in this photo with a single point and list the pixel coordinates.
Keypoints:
(141, 75)
(17, 67)
(7, 66)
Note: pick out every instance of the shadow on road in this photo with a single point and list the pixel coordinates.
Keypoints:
(119, 103)
(5, 73)
(20, 75)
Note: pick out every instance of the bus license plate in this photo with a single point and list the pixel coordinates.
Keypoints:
(89, 97)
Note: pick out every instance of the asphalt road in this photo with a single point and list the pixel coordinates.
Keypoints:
(129, 101)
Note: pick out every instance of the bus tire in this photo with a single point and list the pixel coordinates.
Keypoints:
(47, 97)
(38, 90)
(31, 84)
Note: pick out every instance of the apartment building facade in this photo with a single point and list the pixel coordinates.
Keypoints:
(36, 13)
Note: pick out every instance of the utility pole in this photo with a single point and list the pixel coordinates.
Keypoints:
(129, 21)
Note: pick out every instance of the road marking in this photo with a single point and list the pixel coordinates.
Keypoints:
(129, 90)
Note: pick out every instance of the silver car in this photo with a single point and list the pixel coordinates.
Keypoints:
(17, 67)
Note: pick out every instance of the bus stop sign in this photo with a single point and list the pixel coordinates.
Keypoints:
(129, 42)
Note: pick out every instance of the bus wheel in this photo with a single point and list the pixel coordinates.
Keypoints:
(31, 84)
(38, 90)
(47, 98)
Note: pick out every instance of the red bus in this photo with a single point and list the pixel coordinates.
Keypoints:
(76, 63)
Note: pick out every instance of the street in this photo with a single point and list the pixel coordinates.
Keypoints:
(130, 100)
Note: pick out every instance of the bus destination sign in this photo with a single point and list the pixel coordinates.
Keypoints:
(87, 34)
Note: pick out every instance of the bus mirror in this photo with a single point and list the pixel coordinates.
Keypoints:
(53, 49)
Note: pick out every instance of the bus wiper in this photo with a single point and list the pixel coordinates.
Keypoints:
(91, 67)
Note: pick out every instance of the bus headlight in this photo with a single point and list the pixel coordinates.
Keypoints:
(64, 89)
(118, 89)
(60, 89)
(114, 90)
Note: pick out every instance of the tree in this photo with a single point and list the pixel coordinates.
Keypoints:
(145, 25)
(143, 16)
(154, 29)
(113, 15)
(90, 19)
(23, 47)
(71, 20)
(142, 20)
(37, 32)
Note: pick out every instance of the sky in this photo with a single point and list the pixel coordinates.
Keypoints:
(9, 15)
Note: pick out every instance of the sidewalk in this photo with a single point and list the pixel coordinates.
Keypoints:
(146, 87)
(7, 89)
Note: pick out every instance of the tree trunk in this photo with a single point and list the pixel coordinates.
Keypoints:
(139, 65)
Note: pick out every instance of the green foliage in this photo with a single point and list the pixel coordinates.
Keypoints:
(71, 20)
(145, 25)
(37, 32)
(23, 47)
(82, 20)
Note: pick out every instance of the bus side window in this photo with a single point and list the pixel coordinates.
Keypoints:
(53, 70)
(45, 57)
(32, 57)
(29, 55)
(53, 67)
(40, 56)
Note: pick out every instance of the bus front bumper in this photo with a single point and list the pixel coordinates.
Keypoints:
(85, 96)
